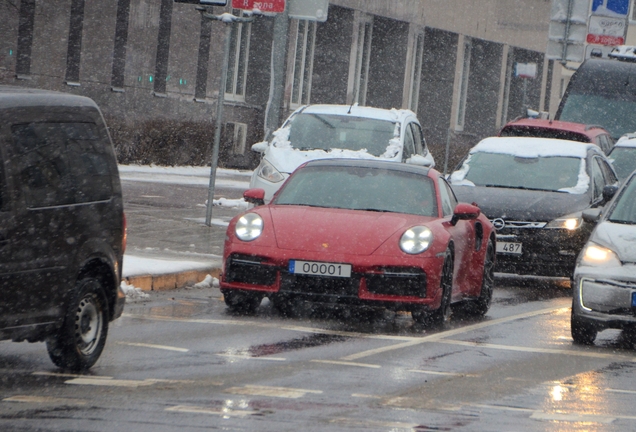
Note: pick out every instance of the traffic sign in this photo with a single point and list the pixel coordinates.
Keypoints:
(258, 5)
(608, 22)
(312, 10)
(611, 8)
(204, 2)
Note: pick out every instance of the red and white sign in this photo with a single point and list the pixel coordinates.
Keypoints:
(606, 30)
(263, 6)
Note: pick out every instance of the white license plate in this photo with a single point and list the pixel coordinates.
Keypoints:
(509, 248)
(320, 268)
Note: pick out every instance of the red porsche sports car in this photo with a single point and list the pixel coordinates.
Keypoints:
(361, 232)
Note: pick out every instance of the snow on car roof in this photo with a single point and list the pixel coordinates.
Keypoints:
(392, 115)
(532, 147)
(627, 140)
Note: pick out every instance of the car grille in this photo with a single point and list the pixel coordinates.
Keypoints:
(249, 269)
(397, 281)
(318, 285)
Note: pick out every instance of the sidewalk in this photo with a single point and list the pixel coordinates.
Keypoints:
(172, 247)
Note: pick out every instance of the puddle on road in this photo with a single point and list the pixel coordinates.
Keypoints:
(310, 341)
(174, 309)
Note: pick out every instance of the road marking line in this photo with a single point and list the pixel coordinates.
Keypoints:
(442, 335)
(501, 407)
(161, 347)
(43, 399)
(68, 375)
(620, 391)
(429, 372)
(110, 383)
(282, 392)
(573, 417)
(202, 410)
(375, 424)
(539, 350)
(247, 357)
(365, 396)
(347, 363)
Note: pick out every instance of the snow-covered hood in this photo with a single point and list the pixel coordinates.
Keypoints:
(521, 205)
(335, 230)
(620, 238)
(287, 159)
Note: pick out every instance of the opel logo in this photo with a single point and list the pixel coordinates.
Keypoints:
(498, 223)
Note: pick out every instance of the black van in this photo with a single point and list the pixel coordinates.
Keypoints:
(602, 92)
(62, 225)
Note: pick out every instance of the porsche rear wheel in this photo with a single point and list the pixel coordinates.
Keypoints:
(442, 315)
(242, 301)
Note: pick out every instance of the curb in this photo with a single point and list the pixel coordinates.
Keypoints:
(170, 281)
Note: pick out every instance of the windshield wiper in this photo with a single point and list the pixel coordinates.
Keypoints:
(623, 222)
(519, 187)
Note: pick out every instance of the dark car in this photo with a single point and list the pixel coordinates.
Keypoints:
(604, 294)
(540, 128)
(62, 230)
(375, 233)
(534, 190)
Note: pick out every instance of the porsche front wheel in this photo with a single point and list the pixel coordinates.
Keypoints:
(440, 316)
(481, 305)
(242, 301)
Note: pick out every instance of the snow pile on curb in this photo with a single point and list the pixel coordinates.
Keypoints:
(132, 292)
(208, 282)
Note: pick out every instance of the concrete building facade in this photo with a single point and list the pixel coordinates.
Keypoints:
(154, 67)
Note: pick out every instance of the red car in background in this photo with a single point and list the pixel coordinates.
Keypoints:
(361, 233)
(541, 128)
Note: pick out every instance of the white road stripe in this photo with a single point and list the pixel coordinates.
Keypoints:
(68, 375)
(621, 391)
(281, 392)
(247, 357)
(111, 383)
(44, 399)
(347, 363)
(203, 410)
(365, 396)
(572, 417)
(161, 347)
(438, 336)
(429, 372)
(592, 354)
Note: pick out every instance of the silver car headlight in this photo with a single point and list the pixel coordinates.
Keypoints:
(568, 223)
(416, 240)
(249, 227)
(267, 171)
(597, 255)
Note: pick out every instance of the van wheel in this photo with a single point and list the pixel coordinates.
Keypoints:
(81, 339)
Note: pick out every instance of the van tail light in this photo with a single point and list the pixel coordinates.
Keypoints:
(124, 239)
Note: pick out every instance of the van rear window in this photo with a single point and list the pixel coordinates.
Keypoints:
(61, 163)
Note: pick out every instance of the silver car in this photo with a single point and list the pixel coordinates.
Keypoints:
(604, 284)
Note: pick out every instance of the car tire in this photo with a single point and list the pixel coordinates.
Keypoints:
(481, 305)
(582, 333)
(242, 301)
(442, 315)
(81, 339)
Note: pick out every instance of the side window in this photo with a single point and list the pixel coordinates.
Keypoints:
(418, 140)
(60, 163)
(598, 182)
(409, 144)
(449, 202)
(608, 173)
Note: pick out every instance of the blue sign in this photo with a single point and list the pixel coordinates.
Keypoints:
(613, 8)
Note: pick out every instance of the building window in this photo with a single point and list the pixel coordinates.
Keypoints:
(303, 64)
(237, 64)
(414, 73)
(463, 86)
(632, 15)
(361, 50)
(238, 136)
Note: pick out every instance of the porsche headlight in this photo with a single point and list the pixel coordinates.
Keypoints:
(416, 240)
(268, 172)
(568, 223)
(249, 227)
(597, 255)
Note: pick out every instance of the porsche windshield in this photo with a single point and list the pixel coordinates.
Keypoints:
(360, 188)
(555, 173)
(624, 210)
(327, 131)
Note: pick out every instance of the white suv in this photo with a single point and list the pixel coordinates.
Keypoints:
(339, 131)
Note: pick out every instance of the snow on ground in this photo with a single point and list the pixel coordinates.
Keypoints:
(199, 176)
(136, 266)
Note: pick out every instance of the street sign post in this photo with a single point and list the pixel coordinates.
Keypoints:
(568, 29)
(275, 6)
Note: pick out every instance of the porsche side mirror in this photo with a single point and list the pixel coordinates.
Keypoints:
(465, 211)
(260, 147)
(255, 196)
(591, 215)
(608, 192)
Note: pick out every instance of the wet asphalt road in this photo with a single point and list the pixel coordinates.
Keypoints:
(180, 361)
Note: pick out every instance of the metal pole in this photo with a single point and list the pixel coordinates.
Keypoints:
(448, 134)
(219, 123)
(525, 97)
